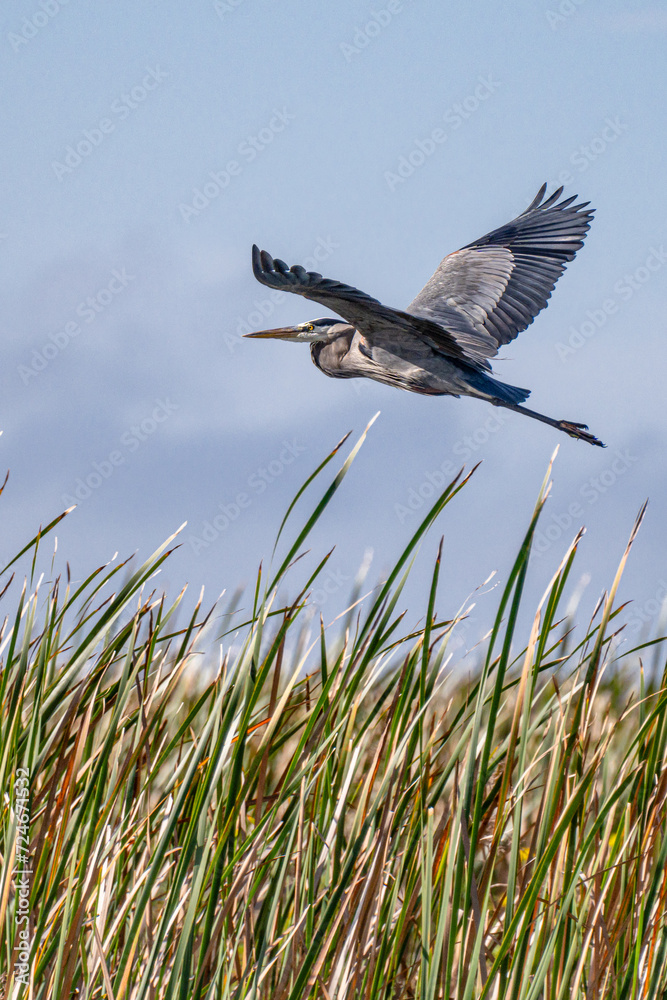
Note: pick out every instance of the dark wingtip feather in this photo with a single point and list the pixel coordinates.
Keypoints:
(266, 260)
(256, 261)
(553, 198)
(538, 198)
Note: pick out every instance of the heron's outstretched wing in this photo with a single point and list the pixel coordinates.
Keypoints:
(370, 316)
(502, 281)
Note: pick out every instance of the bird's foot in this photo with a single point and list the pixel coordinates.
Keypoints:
(580, 431)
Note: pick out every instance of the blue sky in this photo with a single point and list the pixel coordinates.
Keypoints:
(147, 147)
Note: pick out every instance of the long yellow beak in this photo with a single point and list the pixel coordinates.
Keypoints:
(282, 333)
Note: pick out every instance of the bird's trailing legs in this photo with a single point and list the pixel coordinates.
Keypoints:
(579, 431)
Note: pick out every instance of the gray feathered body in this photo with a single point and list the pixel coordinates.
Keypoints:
(405, 364)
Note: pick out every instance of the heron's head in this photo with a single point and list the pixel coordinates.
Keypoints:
(302, 333)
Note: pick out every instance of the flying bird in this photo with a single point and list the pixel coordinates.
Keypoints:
(480, 297)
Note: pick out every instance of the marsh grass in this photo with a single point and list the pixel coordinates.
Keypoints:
(257, 814)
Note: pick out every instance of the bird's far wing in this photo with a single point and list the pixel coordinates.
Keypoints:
(365, 313)
(503, 280)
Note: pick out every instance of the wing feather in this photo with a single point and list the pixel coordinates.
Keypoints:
(503, 280)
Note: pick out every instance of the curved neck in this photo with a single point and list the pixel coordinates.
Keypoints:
(328, 355)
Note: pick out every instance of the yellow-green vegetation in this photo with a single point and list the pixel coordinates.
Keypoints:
(244, 805)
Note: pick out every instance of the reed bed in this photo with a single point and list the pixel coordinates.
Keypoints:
(246, 804)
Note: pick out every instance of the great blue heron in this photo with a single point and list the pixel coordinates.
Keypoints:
(480, 297)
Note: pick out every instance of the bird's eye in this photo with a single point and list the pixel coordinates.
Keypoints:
(309, 327)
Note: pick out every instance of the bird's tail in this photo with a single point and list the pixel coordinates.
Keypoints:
(498, 390)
